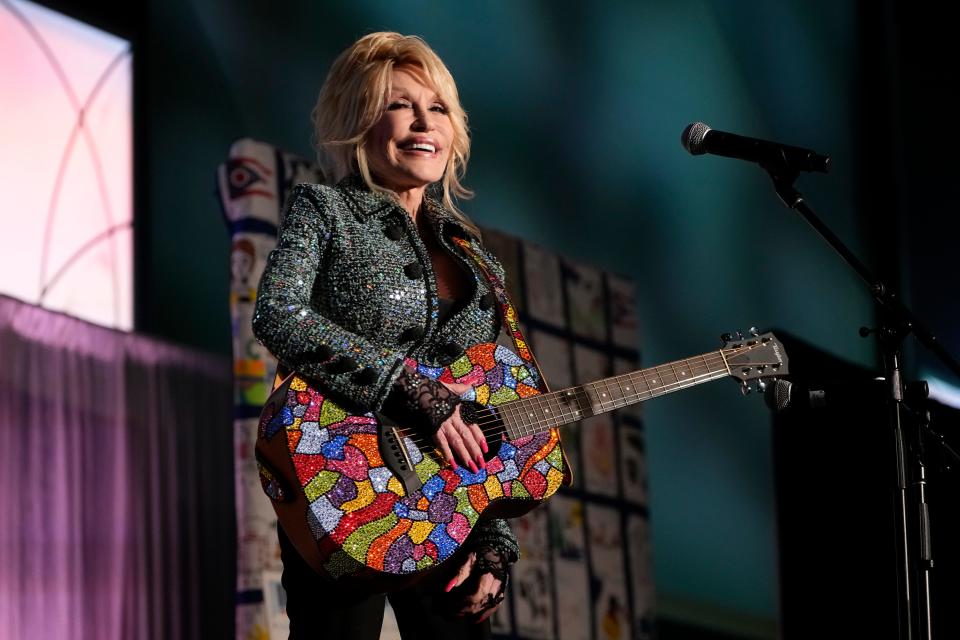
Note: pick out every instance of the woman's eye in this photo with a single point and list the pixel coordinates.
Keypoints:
(393, 106)
(439, 108)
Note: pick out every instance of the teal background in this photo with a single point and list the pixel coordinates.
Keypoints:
(576, 112)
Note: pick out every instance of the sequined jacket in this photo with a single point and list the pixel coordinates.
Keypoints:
(349, 293)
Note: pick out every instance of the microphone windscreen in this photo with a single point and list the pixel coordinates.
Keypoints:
(692, 138)
(777, 395)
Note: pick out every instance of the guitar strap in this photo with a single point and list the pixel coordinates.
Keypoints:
(511, 322)
(507, 311)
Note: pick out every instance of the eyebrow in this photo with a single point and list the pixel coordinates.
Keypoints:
(436, 96)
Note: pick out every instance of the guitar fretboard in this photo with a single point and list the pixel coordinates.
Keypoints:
(532, 415)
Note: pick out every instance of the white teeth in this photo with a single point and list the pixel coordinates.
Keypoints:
(422, 146)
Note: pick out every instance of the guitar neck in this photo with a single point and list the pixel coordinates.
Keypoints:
(532, 415)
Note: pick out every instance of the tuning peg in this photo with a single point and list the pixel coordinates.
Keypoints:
(761, 386)
(754, 332)
(745, 389)
(726, 337)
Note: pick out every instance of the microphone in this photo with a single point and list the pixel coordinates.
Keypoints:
(699, 138)
(784, 395)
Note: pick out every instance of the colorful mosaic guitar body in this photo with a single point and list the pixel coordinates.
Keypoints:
(360, 499)
(359, 513)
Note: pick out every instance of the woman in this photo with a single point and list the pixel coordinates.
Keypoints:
(365, 275)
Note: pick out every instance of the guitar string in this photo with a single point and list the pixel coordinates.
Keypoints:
(602, 406)
(521, 425)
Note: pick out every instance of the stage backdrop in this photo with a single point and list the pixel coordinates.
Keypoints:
(586, 568)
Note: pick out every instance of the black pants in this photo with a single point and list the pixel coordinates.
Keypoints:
(319, 608)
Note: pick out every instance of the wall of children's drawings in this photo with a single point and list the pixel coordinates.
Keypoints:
(585, 571)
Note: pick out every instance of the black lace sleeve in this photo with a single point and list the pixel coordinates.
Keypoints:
(495, 561)
(418, 402)
(496, 549)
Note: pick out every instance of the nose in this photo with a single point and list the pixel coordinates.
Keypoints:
(421, 120)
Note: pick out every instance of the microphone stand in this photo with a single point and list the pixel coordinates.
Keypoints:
(914, 558)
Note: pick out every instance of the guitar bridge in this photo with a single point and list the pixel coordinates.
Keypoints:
(395, 456)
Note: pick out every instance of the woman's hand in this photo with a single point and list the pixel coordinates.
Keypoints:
(482, 596)
(459, 440)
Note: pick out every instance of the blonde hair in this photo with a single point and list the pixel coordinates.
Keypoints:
(354, 96)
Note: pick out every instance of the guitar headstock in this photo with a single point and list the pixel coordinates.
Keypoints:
(756, 356)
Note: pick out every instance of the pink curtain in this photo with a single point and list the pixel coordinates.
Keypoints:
(116, 483)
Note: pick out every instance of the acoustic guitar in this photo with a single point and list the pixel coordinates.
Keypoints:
(361, 497)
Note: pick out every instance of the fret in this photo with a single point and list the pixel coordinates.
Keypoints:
(550, 414)
(521, 410)
(566, 411)
(534, 412)
(652, 381)
(725, 363)
(711, 369)
(642, 384)
(669, 376)
(700, 370)
(660, 381)
(529, 412)
(605, 399)
(522, 419)
(676, 375)
(680, 370)
(503, 412)
(718, 364)
(539, 410)
(632, 393)
(623, 396)
(706, 366)
(570, 404)
(687, 372)
(590, 397)
(580, 400)
(599, 398)
(618, 381)
(697, 369)
(516, 418)
(555, 411)
(617, 389)
(546, 413)
(615, 394)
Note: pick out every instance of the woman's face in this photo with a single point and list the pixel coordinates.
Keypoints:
(409, 146)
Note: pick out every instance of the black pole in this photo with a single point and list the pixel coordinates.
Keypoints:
(911, 513)
(905, 587)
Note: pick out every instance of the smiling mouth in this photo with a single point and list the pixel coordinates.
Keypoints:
(424, 147)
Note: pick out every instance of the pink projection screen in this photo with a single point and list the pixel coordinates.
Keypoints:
(66, 239)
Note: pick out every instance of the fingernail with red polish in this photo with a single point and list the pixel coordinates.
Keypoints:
(450, 585)
(473, 466)
(481, 462)
(483, 445)
(453, 464)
